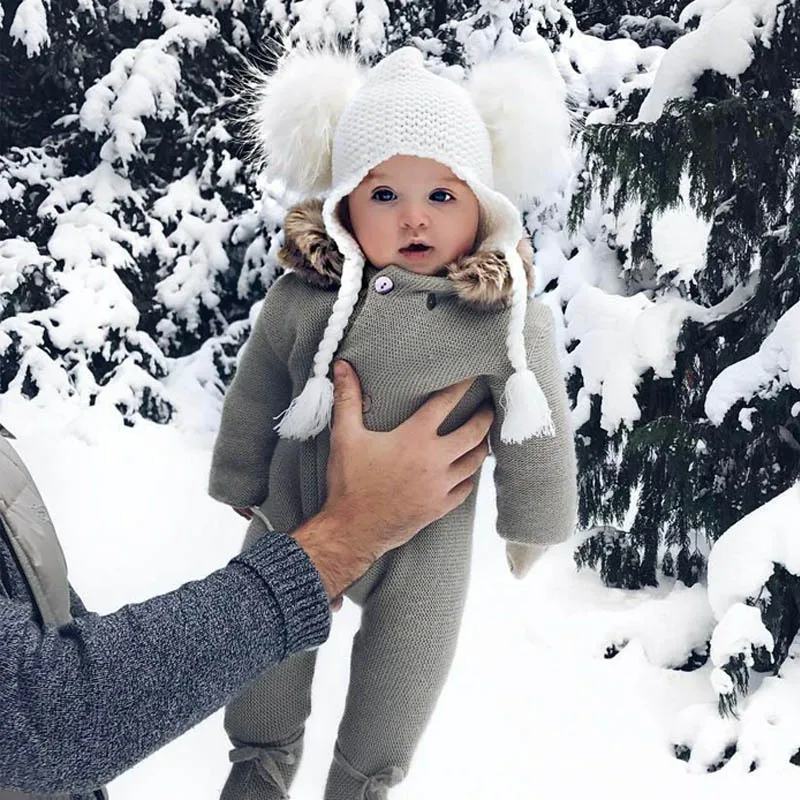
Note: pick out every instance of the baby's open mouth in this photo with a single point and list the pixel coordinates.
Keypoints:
(417, 247)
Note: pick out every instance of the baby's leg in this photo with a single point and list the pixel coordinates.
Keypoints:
(265, 724)
(401, 656)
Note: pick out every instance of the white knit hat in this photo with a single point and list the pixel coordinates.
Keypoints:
(357, 118)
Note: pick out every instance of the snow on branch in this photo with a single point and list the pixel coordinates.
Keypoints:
(134, 9)
(739, 633)
(723, 42)
(321, 22)
(775, 365)
(743, 558)
(742, 591)
(197, 244)
(29, 27)
(143, 82)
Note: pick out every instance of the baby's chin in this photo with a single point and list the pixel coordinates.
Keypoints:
(427, 269)
(421, 266)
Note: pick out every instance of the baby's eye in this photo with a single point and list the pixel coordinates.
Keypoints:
(383, 195)
(441, 196)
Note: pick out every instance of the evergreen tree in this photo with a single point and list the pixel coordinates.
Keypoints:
(133, 229)
(701, 453)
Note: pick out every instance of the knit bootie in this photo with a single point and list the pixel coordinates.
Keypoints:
(345, 782)
(263, 772)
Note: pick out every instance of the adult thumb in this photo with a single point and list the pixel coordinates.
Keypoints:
(347, 410)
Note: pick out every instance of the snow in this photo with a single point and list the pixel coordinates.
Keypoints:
(195, 248)
(746, 418)
(680, 238)
(18, 256)
(142, 82)
(619, 339)
(372, 20)
(96, 300)
(738, 632)
(134, 9)
(530, 694)
(606, 67)
(22, 168)
(29, 26)
(707, 734)
(321, 21)
(744, 557)
(770, 724)
(739, 565)
(723, 42)
(775, 365)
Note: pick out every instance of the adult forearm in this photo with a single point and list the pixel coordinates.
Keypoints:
(84, 702)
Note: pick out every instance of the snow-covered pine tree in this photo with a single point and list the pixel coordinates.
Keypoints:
(132, 230)
(701, 173)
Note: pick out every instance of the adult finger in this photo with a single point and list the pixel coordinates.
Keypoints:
(436, 408)
(466, 466)
(459, 493)
(347, 410)
(474, 430)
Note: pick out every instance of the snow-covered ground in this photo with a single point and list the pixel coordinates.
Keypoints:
(532, 708)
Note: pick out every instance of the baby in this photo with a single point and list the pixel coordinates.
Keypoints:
(417, 272)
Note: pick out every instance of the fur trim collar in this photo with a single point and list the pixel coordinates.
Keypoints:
(482, 279)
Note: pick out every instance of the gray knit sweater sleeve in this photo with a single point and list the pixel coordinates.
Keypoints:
(260, 390)
(83, 702)
(536, 479)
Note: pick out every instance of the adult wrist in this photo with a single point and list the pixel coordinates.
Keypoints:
(333, 542)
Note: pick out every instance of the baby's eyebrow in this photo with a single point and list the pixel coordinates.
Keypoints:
(373, 175)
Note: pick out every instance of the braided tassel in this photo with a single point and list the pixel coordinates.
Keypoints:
(527, 413)
(310, 412)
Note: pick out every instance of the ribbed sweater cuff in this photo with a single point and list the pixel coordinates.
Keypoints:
(294, 582)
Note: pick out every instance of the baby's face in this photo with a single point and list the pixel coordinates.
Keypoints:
(414, 213)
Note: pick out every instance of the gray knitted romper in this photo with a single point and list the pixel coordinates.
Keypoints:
(422, 335)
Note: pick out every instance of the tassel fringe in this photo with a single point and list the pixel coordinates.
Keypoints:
(527, 413)
(309, 413)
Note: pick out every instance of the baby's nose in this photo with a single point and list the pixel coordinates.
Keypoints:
(415, 217)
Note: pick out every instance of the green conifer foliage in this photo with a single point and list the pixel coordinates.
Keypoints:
(644, 21)
(738, 143)
(130, 153)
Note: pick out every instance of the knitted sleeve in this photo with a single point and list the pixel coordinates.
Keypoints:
(261, 389)
(83, 702)
(536, 479)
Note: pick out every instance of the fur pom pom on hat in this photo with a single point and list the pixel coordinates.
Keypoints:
(485, 131)
(296, 111)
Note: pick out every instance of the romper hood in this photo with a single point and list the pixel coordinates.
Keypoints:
(481, 279)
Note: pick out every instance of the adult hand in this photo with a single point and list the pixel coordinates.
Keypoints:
(383, 487)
